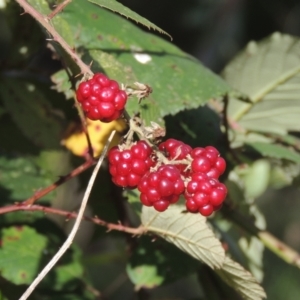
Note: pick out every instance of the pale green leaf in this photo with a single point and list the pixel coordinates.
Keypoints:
(276, 151)
(257, 178)
(128, 13)
(269, 73)
(189, 232)
(241, 280)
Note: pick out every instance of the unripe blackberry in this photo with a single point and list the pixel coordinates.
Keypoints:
(204, 194)
(101, 98)
(128, 166)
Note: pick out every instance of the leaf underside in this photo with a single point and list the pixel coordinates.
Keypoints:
(269, 73)
(241, 280)
(189, 232)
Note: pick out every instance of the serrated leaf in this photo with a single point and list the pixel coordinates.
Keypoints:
(128, 13)
(269, 73)
(241, 280)
(275, 151)
(178, 80)
(31, 112)
(189, 232)
(20, 254)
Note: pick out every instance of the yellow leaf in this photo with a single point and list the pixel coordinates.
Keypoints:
(75, 139)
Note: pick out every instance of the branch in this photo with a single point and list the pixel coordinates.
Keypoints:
(75, 228)
(282, 250)
(44, 21)
(71, 215)
(58, 9)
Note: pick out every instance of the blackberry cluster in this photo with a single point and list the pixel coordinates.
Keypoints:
(190, 172)
(127, 167)
(204, 194)
(101, 98)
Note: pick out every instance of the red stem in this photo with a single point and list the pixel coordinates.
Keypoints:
(71, 215)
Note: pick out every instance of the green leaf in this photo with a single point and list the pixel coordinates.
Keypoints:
(126, 12)
(128, 54)
(62, 83)
(144, 276)
(20, 178)
(275, 151)
(20, 254)
(156, 262)
(269, 73)
(241, 280)
(189, 232)
(31, 111)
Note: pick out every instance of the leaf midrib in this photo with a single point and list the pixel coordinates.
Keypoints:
(260, 94)
(182, 238)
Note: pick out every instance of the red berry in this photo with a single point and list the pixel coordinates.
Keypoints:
(207, 160)
(101, 98)
(220, 165)
(201, 164)
(191, 205)
(145, 200)
(161, 205)
(206, 210)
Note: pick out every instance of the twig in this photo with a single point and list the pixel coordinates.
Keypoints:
(58, 9)
(282, 250)
(71, 215)
(43, 20)
(75, 228)
(39, 194)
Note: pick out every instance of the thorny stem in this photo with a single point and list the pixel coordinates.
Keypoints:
(71, 215)
(44, 21)
(58, 9)
(282, 250)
